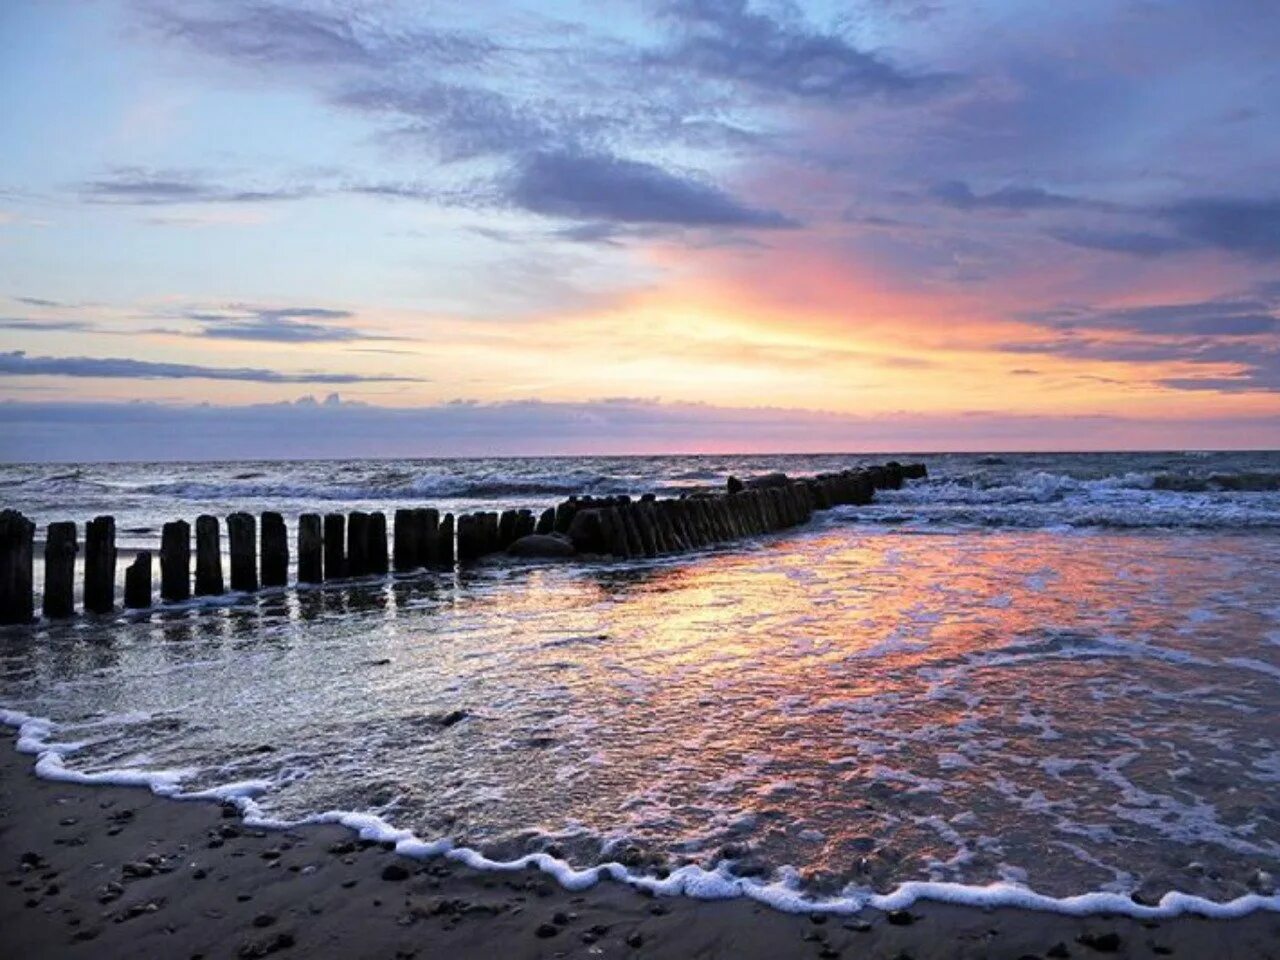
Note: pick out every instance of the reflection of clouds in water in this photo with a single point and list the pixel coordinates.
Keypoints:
(867, 707)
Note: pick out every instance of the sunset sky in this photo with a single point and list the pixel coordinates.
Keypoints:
(323, 228)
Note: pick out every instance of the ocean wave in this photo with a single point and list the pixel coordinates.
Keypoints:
(390, 488)
(1041, 499)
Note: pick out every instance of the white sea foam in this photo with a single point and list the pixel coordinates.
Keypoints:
(719, 883)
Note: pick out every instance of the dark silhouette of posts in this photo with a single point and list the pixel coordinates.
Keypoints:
(275, 550)
(310, 549)
(335, 535)
(208, 557)
(242, 545)
(376, 542)
(137, 582)
(60, 549)
(175, 561)
(17, 543)
(100, 565)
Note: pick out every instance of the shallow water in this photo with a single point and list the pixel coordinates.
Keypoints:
(913, 691)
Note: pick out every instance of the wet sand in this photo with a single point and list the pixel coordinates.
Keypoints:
(105, 872)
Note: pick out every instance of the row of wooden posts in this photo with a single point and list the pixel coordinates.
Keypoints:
(338, 546)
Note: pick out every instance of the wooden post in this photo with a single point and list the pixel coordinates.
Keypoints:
(175, 561)
(376, 547)
(406, 550)
(310, 548)
(208, 557)
(564, 516)
(100, 565)
(615, 533)
(242, 545)
(275, 550)
(444, 543)
(466, 538)
(357, 543)
(335, 532)
(506, 529)
(547, 521)
(427, 522)
(17, 557)
(525, 523)
(60, 549)
(137, 582)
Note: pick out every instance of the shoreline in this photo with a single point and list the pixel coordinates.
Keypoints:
(119, 871)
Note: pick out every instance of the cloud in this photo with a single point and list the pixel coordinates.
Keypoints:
(274, 34)
(39, 302)
(280, 325)
(142, 187)
(1246, 226)
(44, 326)
(17, 363)
(958, 194)
(725, 40)
(1237, 336)
(1220, 317)
(1137, 243)
(335, 428)
(602, 188)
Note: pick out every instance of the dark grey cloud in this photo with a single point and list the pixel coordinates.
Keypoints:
(39, 302)
(776, 56)
(142, 187)
(16, 363)
(958, 194)
(44, 326)
(1246, 226)
(1137, 243)
(601, 188)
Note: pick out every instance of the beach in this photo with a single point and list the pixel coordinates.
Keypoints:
(117, 872)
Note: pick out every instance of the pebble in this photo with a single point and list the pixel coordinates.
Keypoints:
(1102, 942)
(634, 940)
(900, 918)
(546, 930)
(394, 872)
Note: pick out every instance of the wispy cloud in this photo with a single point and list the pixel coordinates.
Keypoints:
(142, 187)
(17, 363)
(44, 326)
(281, 325)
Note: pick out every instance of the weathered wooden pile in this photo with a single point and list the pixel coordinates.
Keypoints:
(340, 546)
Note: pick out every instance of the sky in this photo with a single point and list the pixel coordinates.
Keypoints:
(237, 228)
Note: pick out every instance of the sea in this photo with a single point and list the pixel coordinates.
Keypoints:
(1049, 680)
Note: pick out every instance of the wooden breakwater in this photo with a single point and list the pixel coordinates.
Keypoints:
(338, 546)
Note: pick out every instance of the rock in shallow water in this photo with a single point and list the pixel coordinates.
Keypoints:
(542, 545)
